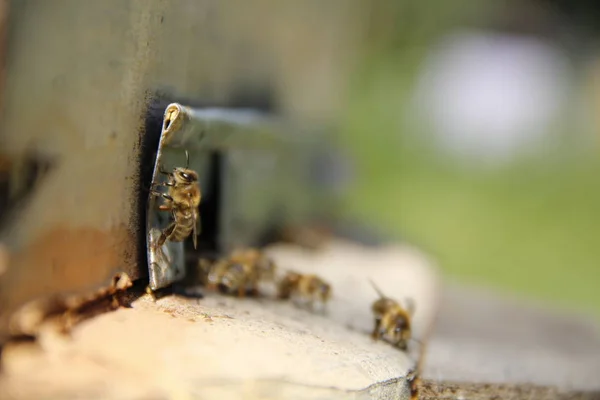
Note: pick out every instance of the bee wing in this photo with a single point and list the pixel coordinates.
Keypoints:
(198, 223)
(196, 229)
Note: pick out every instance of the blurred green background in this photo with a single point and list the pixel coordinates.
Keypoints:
(528, 226)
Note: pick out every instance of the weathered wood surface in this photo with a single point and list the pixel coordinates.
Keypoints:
(435, 390)
(483, 345)
(223, 347)
(481, 338)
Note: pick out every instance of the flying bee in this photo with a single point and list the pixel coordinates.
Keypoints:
(392, 320)
(242, 272)
(309, 288)
(182, 200)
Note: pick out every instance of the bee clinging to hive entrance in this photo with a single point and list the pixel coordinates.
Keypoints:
(182, 200)
(392, 321)
(242, 272)
(309, 288)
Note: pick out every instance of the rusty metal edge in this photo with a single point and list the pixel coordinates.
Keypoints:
(166, 264)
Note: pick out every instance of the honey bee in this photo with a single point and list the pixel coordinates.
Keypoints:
(308, 287)
(264, 266)
(392, 320)
(242, 272)
(182, 200)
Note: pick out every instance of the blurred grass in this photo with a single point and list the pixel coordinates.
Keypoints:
(529, 227)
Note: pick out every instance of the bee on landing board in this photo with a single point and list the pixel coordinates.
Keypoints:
(263, 266)
(309, 288)
(242, 272)
(392, 321)
(182, 200)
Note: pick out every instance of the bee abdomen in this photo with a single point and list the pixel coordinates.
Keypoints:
(181, 231)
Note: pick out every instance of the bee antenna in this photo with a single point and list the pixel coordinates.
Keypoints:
(379, 292)
(187, 159)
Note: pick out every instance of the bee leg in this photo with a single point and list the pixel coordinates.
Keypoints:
(159, 184)
(282, 291)
(377, 330)
(254, 288)
(241, 292)
(155, 186)
(162, 171)
(283, 296)
(401, 344)
(165, 196)
(224, 288)
(165, 234)
(150, 292)
(252, 291)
